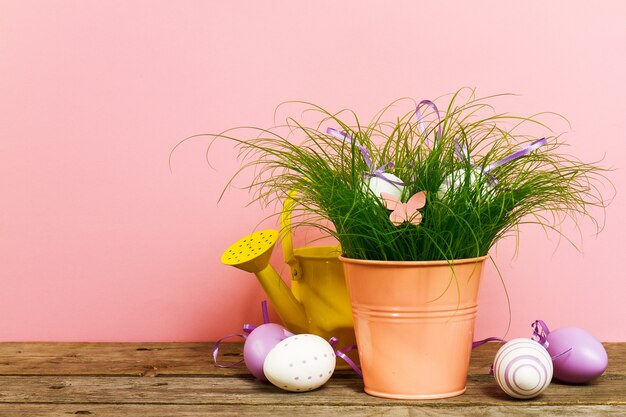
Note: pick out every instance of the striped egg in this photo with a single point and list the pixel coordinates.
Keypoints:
(523, 368)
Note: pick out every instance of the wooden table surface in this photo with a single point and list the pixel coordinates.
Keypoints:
(179, 379)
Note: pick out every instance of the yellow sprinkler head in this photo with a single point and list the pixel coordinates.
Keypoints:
(251, 253)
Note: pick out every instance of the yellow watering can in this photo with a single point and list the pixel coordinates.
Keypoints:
(318, 300)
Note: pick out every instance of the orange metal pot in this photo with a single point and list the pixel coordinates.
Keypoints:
(414, 324)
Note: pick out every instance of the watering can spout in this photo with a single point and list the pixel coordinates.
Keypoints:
(252, 254)
(287, 306)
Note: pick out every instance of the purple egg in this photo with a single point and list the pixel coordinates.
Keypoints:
(587, 359)
(259, 343)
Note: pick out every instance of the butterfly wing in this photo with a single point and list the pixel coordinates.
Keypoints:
(416, 218)
(412, 207)
(390, 201)
(397, 215)
(417, 201)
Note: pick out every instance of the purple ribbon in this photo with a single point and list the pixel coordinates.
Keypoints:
(540, 334)
(489, 339)
(482, 342)
(344, 136)
(373, 172)
(462, 153)
(216, 349)
(420, 119)
(342, 354)
(266, 316)
(247, 329)
(522, 152)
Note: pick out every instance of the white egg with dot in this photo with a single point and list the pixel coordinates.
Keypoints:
(523, 368)
(300, 363)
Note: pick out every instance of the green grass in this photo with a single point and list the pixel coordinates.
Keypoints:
(545, 187)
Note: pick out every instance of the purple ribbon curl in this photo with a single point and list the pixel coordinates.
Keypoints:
(522, 152)
(482, 342)
(489, 339)
(420, 119)
(540, 335)
(342, 354)
(247, 329)
(372, 171)
(463, 154)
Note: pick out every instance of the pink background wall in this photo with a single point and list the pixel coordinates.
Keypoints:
(100, 242)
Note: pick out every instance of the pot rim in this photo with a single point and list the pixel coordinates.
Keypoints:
(477, 260)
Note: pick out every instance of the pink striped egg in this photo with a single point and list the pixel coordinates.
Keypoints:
(523, 368)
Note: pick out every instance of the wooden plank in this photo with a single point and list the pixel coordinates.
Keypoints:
(101, 410)
(130, 359)
(481, 390)
(155, 359)
(51, 379)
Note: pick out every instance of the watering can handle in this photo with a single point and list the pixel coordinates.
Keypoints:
(285, 229)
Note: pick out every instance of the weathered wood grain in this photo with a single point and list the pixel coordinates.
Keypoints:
(238, 390)
(414, 410)
(51, 379)
(131, 359)
(155, 359)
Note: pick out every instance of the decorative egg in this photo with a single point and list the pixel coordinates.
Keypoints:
(379, 185)
(457, 180)
(523, 368)
(259, 343)
(586, 360)
(300, 363)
